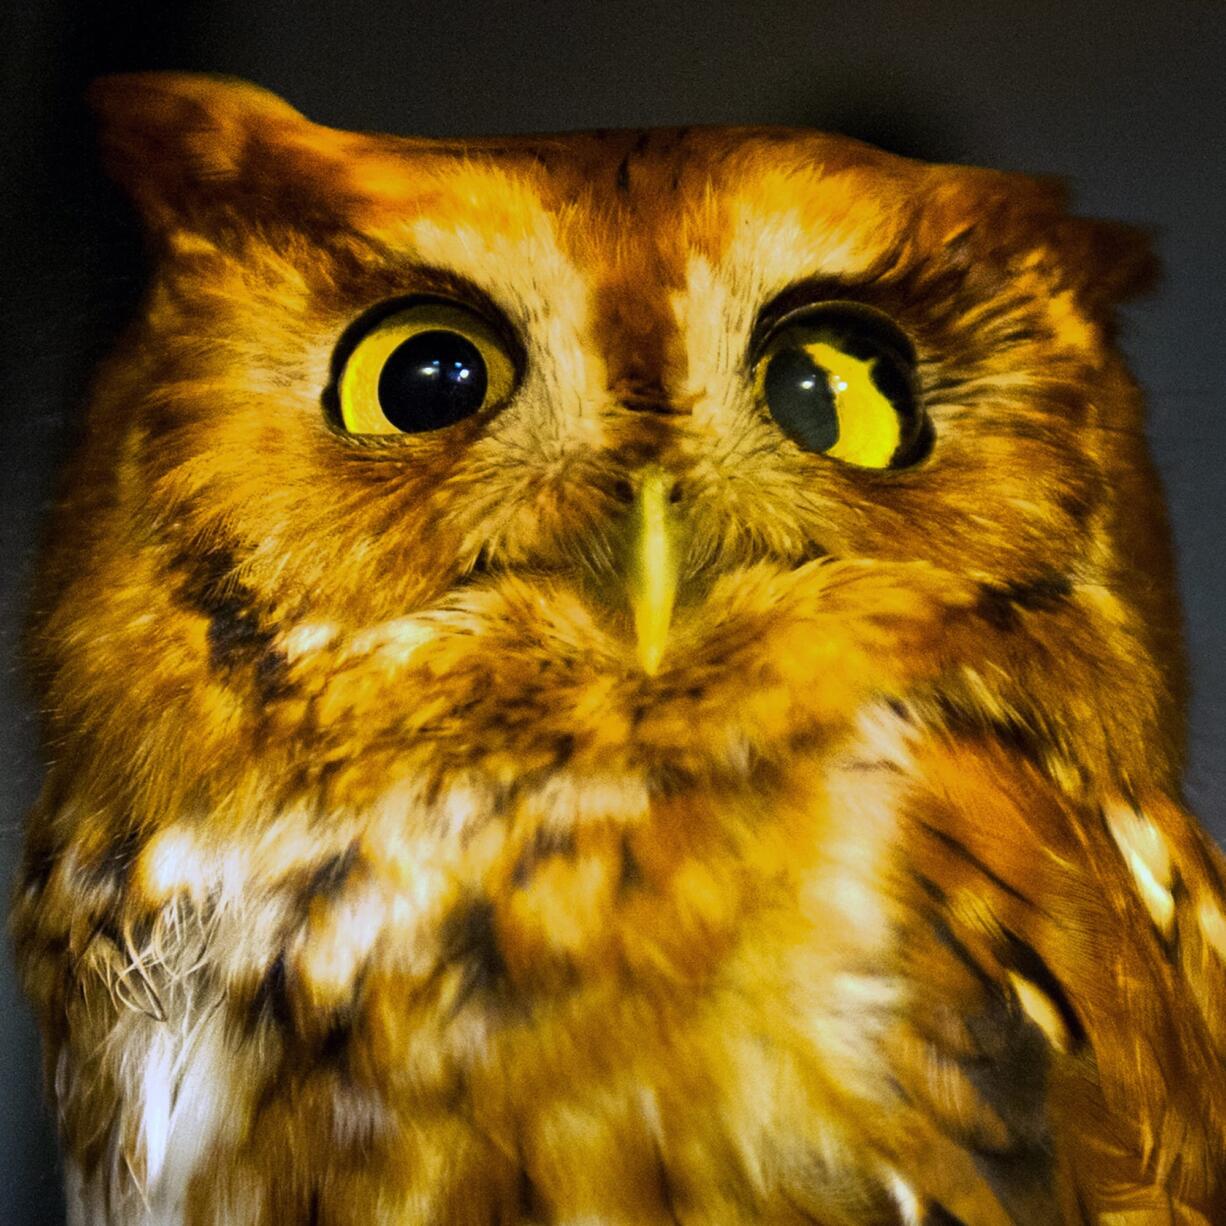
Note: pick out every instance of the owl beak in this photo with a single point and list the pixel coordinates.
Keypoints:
(652, 571)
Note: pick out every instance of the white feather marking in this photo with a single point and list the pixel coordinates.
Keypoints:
(202, 1106)
(709, 313)
(567, 799)
(156, 1094)
(842, 1005)
(180, 1084)
(1148, 857)
(334, 953)
(396, 641)
(908, 1203)
(308, 637)
(1213, 926)
(462, 806)
(174, 861)
(1038, 1006)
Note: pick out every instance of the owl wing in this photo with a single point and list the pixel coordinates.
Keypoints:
(1067, 1020)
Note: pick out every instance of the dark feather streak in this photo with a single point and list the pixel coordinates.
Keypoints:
(544, 844)
(938, 1215)
(998, 604)
(237, 635)
(270, 1002)
(113, 869)
(469, 940)
(963, 852)
(1009, 1074)
(328, 878)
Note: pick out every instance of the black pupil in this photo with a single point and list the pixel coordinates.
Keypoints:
(800, 400)
(432, 380)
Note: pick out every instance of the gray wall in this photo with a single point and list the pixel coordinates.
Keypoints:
(1124, 99)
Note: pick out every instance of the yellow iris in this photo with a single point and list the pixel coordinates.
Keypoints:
(841, 382)
(869, 428)
(358, 389)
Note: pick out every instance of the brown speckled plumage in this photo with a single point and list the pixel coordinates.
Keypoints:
(376, 879)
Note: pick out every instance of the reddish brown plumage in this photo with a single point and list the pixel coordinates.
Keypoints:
(375, 880)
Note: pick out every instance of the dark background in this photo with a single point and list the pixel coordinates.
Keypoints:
(1126, 100)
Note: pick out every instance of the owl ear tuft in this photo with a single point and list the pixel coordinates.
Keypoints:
(1108, 262)
(186, 145)
(1113, 260)
(1026, 217)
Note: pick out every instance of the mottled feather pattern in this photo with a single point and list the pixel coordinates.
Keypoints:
(376, 879)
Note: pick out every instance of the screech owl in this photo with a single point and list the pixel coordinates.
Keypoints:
(614, 678)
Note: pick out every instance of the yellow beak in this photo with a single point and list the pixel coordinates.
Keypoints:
(652, 573)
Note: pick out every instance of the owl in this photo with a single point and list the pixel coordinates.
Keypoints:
(623, 678)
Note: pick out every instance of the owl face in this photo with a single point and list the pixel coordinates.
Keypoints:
(812, 352)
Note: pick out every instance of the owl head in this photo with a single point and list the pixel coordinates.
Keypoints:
(707, 423)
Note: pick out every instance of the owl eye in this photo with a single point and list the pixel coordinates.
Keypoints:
(841, 381)
(423, 367)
